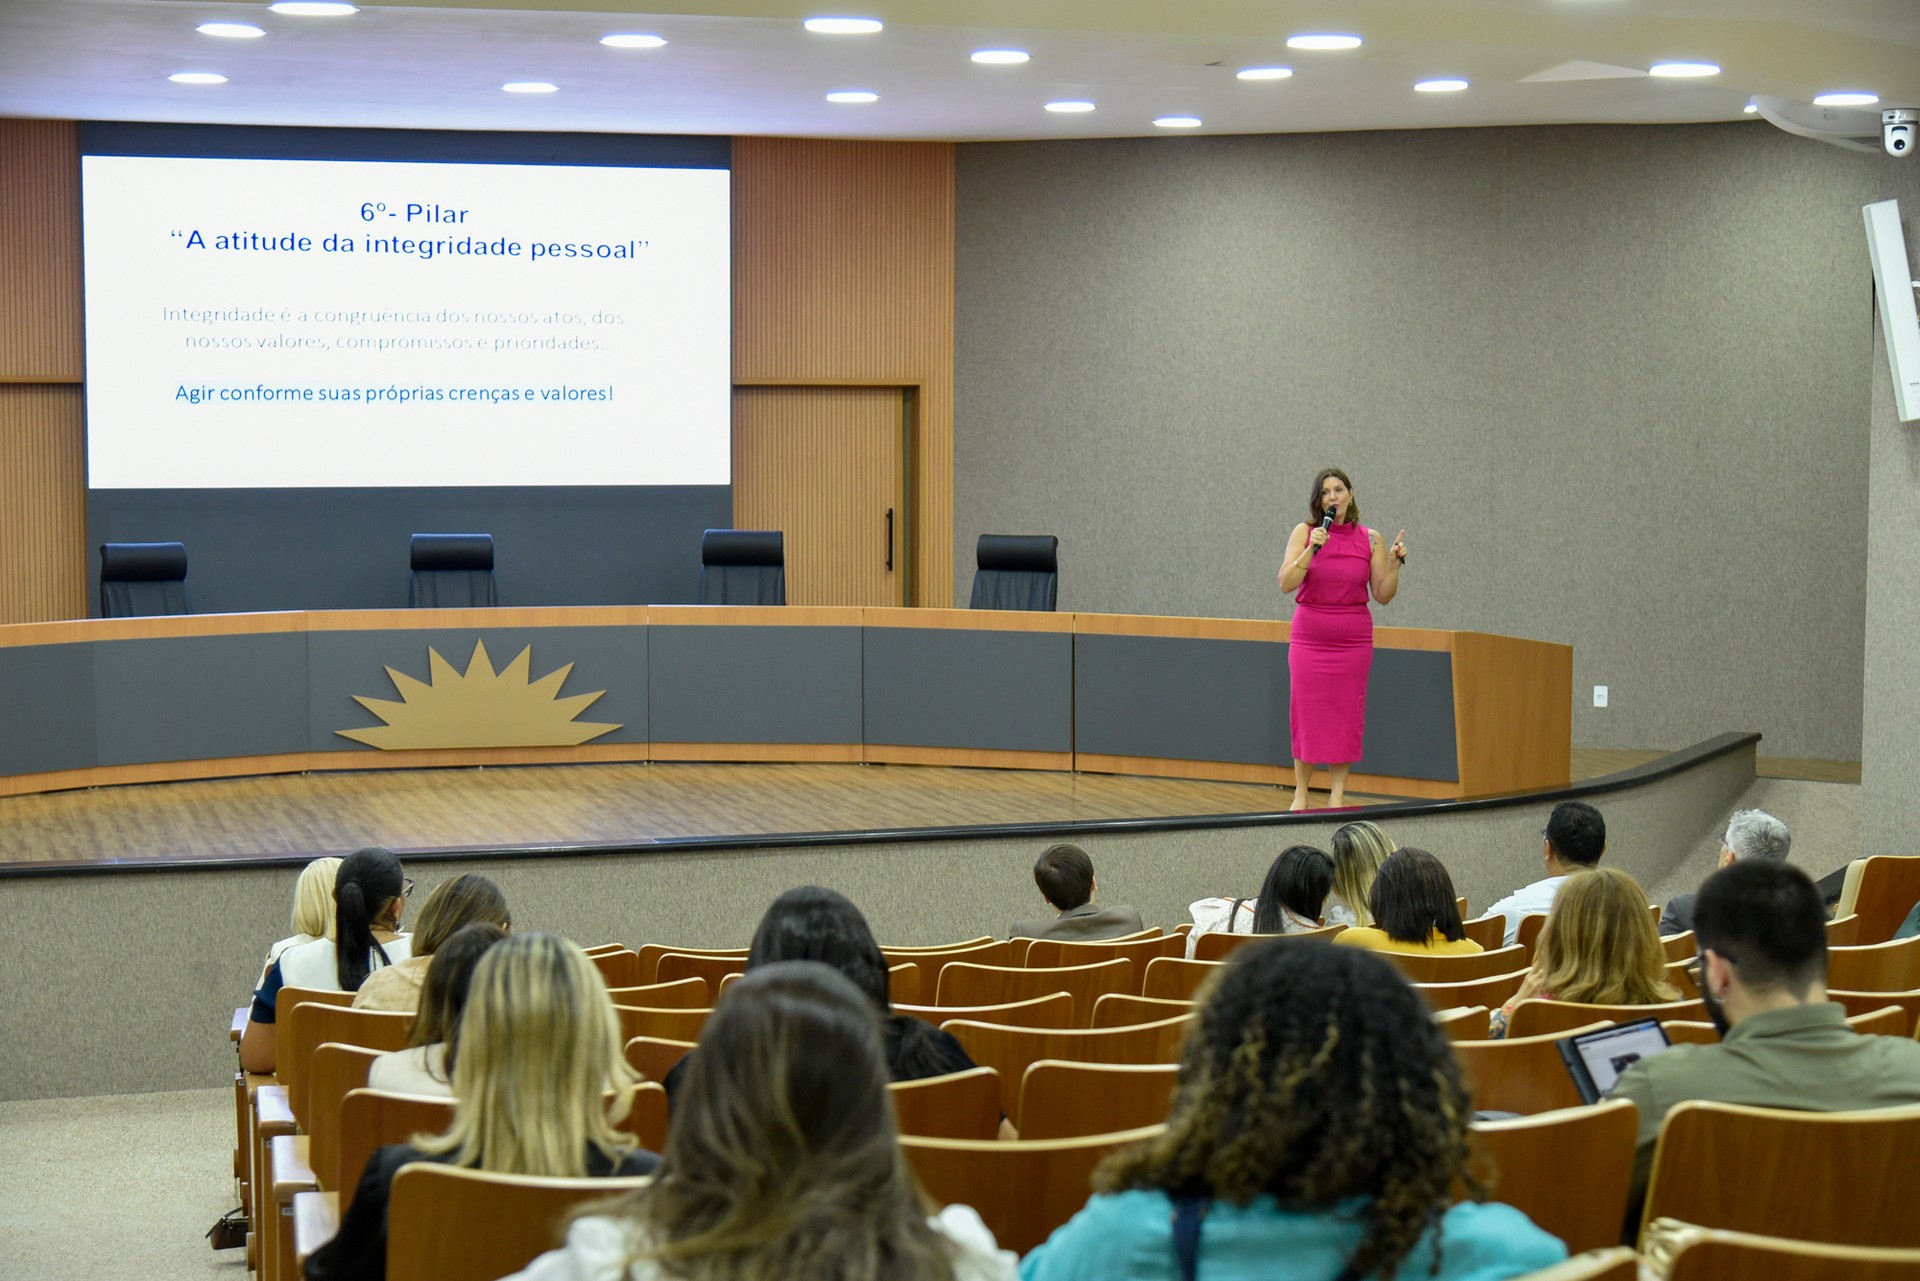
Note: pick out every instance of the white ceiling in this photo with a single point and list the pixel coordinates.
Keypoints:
(748, 67)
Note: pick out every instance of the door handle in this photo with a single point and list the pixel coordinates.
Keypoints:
(889, 540)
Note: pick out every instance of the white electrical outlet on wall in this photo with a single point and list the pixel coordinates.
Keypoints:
(1599, 695)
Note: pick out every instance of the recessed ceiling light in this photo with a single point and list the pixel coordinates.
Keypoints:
(314, 8)
(1070, 105)
(1846, 98)
(1752, 108)
(530, 86)
(1263, 73)
(1323, 40)
(1178, 122)
(843, 26)
(853, 95)
(230, 30)
(631, 40)
(1001, 57)
(197, 78)
(1679, 69)
(1439, 86)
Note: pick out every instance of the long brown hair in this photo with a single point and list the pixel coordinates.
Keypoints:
(783, 1160)
(452, 904)
(1315, 511)
(1599, 945)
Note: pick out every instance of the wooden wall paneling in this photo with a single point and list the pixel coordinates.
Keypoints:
(40, 335)
(843, 272)
(43, 504)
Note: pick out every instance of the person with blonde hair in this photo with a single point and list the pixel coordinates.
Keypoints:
(450, 905)
(783, 1160)
(312, 909)
(1598, 947)
(539, 1049)
(1358, 851)
(1414, 909)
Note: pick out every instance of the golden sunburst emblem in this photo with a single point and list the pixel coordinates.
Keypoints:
(479, 707)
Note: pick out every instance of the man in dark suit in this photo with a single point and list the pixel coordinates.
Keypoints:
(1750, 834)
(1064, 874)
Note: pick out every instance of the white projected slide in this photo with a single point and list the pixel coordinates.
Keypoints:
(302, 323)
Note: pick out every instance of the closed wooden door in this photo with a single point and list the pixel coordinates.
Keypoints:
(823, 464)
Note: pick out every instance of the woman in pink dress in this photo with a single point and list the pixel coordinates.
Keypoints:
(1333, 563)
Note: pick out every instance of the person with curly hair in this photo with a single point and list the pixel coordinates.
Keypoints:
(1319, 1133)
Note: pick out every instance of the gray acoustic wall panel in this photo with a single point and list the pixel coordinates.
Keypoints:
(191, 698)
(46, 705)
(1181, 697)
(938, 687)
(755, 684)
(609, 659)
(1410, 725)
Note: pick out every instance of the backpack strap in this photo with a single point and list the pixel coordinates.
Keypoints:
(1189, 1212)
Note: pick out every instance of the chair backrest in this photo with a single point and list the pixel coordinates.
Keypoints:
(1044, 954)
(1008, 1050)
(942, 947)
(1851, 1182)
(1844, 931)
(654, 1056)
(1489, 932)
(1467, 1023)
(446, 1223)
(1117, 1009)
(1434, 967)
(1537, 1017)
(1016, 571)
(1175, 978)
(1880, 890)
(1023, 1189)
(1055, 1009)
(1529, 933)
(141, 579)
(1532, 1155)
(1875, 967)
(1866, 1002)
(665, 1025)
(965, 984)
(371, 1119)
(1492, 992)
(311, 1024)
(959, 1105)
(1718, 1255)
(931, 960)
(1522, 1074)
(618, 966)
(743, 567)
(1679, 947)
(650, 954)
(338, 1070)
(675, 966)
(681, 994)
(903, 982)
(1059, 1100)
(1217, 946)
(646, 1119)
(451, 571)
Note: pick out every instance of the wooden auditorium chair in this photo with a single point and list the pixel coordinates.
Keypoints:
(930, 961)
(1908, 1003)
(1117, 1009)
(1492, 992)
(1536, 1017)
(1009, 1050)
(1719, 1255)
(1535, 1157)
(1844, 931)
(1055, 1009)
(369, 1119)
(653, 1057)
(448, 1223)
(1520, 1074)
(618, 966)
(1490, 932)
(962, 983)
(1217, 946)
(1435, 968)
(650, 954)
(673, 966)
(1466, 1023)
(959, 1105)
(1875, 967)
(683, 994)
(1061, 1100)
(1176, 978)
(664, 1025)
(1880, 890)
(1058, 954)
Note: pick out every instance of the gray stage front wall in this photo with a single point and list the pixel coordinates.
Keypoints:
(137, 974)
(1612, 380)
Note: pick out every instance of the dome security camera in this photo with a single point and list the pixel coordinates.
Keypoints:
(1897, 129)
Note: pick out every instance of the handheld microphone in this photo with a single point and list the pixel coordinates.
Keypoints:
(1326, 522)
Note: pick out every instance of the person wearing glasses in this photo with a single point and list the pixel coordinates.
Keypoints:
(370, 895)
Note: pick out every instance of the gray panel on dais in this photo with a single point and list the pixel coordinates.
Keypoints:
(994, 691)
(46, 701)
(189, 698)
(1410, 726)
(1179, 697)
(755, 684)
(343, 664)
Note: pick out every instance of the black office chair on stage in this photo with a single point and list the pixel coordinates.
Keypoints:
(142, 579)
(743, 567)
(1016, 571)
(452, 571)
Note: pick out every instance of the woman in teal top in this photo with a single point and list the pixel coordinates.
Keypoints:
(1318, 1134)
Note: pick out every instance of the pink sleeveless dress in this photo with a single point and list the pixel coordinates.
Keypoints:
(1330, 653)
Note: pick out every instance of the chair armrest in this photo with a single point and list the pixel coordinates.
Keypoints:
(239, 1024)
(292, 1173)
(271, 1111)
(316, 1220)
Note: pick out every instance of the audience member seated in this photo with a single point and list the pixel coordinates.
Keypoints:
(1064, 874)
(1414, 909)
(1761, 928)
(1598, 947)
(369, 895)
(1750, 834)
(312, 909)
(539, 1047)
(426, 1065)
(782, 1161)
(1358, 851)
(450, 905)
(1319, 1132)
(1573, 840)
(1290, 899)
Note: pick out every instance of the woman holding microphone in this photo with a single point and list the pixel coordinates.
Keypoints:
(1333, 563)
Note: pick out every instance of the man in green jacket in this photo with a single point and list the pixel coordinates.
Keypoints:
(1762, 971)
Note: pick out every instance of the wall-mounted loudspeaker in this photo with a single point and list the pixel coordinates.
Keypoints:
(1894, 284)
